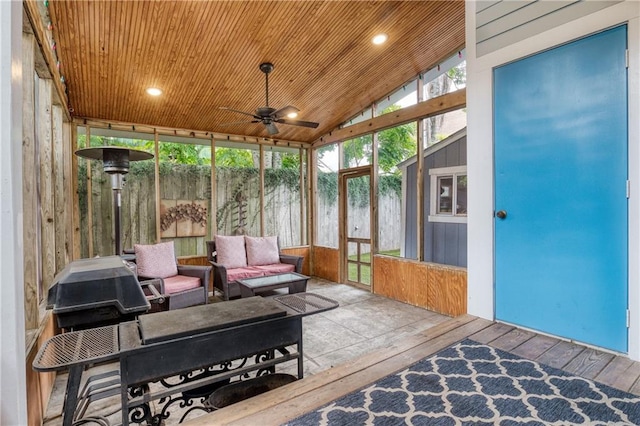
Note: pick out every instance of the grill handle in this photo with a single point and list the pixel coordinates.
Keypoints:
(155, 296)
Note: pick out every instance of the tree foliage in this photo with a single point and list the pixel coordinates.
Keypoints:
(169, 152)
(394, 146)
(231, 157)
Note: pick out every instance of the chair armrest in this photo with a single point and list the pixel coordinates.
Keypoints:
(220, 278)
(201, 272)
(219, 270)
(292, 260)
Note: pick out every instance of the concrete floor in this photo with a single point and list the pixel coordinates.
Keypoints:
(361, 324)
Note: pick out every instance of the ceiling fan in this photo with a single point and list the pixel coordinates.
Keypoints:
(269, 116)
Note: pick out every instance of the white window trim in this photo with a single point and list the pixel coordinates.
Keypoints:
(435, 174)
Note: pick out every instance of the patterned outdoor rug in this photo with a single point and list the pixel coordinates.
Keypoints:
(474, 384)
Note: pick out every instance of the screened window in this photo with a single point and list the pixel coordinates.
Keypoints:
(396, 208)
(185, 194)
(363, 116)
(357, 152)
(326, 221)
(448, 194)
(238, 189)
(405, 96)
(282, 208)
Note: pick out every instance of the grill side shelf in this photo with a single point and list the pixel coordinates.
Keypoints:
(306, 303)
(78, 347)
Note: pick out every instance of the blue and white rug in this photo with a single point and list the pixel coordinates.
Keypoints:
(474, 384)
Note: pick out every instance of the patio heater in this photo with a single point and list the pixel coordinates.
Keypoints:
(115, 162)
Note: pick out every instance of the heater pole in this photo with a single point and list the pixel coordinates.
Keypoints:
(117, 197)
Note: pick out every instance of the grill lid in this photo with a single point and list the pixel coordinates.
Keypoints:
(97, 282)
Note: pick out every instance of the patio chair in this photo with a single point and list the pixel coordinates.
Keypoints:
(182, 285)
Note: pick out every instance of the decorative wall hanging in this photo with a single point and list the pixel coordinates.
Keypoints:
(183, 218)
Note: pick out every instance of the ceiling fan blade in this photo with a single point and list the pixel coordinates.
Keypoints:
(302, 123)
(231, 123)
(271, 128)
(240, 112)
(284, 111)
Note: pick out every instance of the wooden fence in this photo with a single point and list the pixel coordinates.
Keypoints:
(191, 183)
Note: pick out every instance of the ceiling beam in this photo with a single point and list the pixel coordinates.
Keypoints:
(185, 133)
(429, 108)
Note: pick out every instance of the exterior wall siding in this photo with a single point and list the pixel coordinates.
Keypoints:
(501, 23)
(444, 243)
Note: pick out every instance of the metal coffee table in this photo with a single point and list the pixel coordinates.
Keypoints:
(297, 283)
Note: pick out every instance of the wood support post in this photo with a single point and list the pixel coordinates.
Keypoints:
(420, 179)
(262, 224)
(213, 217)
(156, 151)
(89, 195)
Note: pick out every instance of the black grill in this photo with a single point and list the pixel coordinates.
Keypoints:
(93, 292)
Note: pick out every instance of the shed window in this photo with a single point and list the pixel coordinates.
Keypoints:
(448, 194)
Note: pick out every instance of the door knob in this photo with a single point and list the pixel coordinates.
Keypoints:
(501, 214)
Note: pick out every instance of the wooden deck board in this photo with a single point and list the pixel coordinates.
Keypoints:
(614, 374)
(536, 346)
(632, 372)
(512, 339)
(491, 333)
(589, 363)
(560, 354)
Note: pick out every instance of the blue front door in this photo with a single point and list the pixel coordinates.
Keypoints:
(560, 134)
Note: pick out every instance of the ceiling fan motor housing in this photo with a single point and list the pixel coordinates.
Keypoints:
(266, 67)
(265, 111)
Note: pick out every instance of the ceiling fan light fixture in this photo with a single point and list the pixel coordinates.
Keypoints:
(154, 91)
(379, 38)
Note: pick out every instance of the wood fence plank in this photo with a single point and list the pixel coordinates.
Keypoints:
(29, 186)
(59, 187)
(47, 206)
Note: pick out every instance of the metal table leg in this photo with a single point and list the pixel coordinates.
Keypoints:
(71, 399)
(300, 352)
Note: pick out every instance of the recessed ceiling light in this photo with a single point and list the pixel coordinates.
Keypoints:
(154, 91)
(292, 115)
(379, 38)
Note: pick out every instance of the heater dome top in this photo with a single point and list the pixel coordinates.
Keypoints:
(98, 153)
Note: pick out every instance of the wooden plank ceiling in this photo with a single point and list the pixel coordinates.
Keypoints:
(205, 55)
